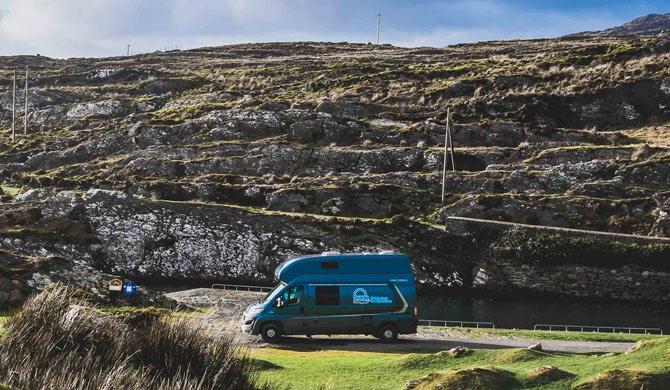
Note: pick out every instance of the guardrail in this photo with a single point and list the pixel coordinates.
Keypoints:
(241, 287)
(458, 324)
(597, 329)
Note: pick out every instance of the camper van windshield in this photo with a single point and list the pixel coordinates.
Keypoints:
(274, 290)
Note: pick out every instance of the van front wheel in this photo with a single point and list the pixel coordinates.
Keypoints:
(388, 333)
(270, 333)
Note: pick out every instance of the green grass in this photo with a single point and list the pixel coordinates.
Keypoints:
(9, 190)
(373, 370)
(3, 319)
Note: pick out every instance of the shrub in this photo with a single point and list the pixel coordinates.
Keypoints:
(57, 341)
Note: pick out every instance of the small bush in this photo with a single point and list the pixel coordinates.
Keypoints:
(518, 355)
(546, 374)
(626, 379)
(57, 341)
(472, 378)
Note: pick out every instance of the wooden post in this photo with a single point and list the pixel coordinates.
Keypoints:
(25, 112)
(444, 159)
(451, 142)
(14, 109)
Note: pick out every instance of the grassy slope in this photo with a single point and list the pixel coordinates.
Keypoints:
(367, 370)
(3, 319)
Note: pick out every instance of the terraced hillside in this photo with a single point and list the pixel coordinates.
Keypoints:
(222, 161)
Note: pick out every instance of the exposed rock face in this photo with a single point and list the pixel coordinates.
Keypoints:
(566, 132)
(140, 238)
(105, 108)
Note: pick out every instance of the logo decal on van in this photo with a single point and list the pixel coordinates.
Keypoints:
(361, 297)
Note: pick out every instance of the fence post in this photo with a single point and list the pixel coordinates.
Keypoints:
(14, 108)
(25, 113)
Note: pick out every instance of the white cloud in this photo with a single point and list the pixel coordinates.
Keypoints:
(64, 28)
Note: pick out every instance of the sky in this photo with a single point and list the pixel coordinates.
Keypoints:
(98, 28)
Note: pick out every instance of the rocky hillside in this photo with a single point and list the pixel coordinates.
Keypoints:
(652, 24)
(218, 163)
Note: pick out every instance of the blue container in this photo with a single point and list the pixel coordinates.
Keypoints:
(129, 289)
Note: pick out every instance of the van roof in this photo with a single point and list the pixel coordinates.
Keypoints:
(344, 263)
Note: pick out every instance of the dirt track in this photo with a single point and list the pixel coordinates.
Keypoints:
(227, 307)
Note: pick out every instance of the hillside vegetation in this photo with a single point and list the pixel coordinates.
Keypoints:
(218, 163)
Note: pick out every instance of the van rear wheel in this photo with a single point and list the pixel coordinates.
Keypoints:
(270, 333)
(388, 333)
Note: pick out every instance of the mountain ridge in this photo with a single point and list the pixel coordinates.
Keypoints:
(651, 24)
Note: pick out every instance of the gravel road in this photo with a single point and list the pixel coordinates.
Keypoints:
(228, 305)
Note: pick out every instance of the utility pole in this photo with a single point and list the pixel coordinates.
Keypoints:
(14, 109)
(25, 112)
(447, 141)
(451, 141)
(379, 25)
(128, 49)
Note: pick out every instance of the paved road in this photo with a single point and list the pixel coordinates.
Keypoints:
(227, 307)
(418, 344)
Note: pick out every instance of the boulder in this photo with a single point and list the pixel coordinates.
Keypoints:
(307, 131)
(459, 351)
(350, 110)
(104, 108)
(165, 85)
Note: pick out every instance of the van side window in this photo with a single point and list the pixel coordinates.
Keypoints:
(329, 265)
(291, 296)
(327, 295)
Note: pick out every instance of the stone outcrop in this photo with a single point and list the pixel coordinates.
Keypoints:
(625, 283)
(118, 234)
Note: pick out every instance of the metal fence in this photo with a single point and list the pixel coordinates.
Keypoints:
(597, 329)
(458, 324)
(240, 287)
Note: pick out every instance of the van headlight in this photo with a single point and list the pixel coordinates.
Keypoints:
(254, 312)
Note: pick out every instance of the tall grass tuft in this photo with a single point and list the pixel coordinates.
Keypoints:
(57, 341)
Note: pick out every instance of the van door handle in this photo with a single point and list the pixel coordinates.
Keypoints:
(302, 309)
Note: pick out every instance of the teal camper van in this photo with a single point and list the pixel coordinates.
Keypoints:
(334, 293)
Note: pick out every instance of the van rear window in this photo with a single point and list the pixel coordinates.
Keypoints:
(327, 295)
(329, 265)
